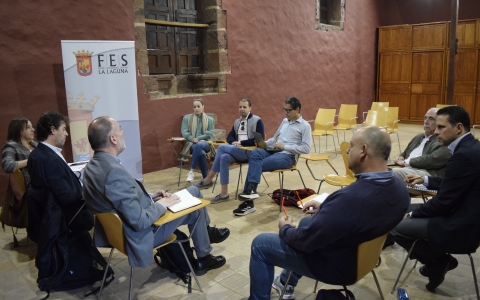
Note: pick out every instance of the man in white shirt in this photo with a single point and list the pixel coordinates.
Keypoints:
(424, 156)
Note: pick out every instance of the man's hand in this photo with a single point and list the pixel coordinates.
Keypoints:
(398, 158)
(237, 144)
(285, 220)
(160, 194)
(279, 146)
(310, 207)
(169, 201)
(407, 216)
(195, 140)
(400, 161)
(413, 179)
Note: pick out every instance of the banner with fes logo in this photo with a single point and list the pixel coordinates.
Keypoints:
(100, 80)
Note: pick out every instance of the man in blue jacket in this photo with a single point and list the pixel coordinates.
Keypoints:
(241, 135)
(324, 246)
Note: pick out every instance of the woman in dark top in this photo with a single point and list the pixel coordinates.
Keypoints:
(15, 153)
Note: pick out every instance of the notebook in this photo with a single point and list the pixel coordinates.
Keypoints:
(319, 198)
(187, 201)
(417, 189)
(261, 143)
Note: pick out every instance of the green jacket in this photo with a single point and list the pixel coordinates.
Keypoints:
(434, 157)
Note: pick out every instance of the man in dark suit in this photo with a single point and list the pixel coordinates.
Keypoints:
(448, 223)
(108, 187)
(55, 193)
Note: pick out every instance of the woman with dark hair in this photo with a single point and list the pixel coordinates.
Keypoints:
(15, 153)
(19, 144)
(196, 129)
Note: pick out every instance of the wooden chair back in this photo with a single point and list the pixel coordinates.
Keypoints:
(113, 226)
(378, 105)
(344, 148)
(368, 254)
(392, 120)
(324, 122)
(346, 113)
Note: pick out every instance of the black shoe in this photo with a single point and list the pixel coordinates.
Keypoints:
(208, 263)
(452, 264)
(217, 235)
(244, 209)
(436, 272)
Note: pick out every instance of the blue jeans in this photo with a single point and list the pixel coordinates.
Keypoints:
(268, 251)
(200, 238)
(260, 160)
(226, 155)
(199, 156)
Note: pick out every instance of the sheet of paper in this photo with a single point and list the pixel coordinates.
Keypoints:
(176, 138)
(320, 198)
(187, 201)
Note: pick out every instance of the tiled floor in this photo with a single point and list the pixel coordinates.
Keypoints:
(18, 273)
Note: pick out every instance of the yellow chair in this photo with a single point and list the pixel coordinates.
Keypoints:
(473, 131)
(280, 172)
(317, 157)
(376, 106)
(368, 257)
(113, 226)
(392, 123)
(444, 105)
(346, 119)
(324, 126)
(377, 118)
(17, 187)
(341, 180)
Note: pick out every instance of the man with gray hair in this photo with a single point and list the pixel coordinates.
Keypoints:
(423, 155)
(108, 187)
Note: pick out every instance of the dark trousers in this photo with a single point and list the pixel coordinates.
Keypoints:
(410, 230)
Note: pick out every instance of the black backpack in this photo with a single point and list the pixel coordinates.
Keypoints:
(335, 295)
(170, 257)
(74, 262)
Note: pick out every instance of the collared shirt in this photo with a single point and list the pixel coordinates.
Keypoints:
(417, 152)
(376, 176)
(243, 134)
(295, 136)
(55, 149)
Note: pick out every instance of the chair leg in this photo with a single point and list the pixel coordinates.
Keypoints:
(281, 191)
(190, 266)
(338, 140)
(105, 273)
(398, 139)
(318, 191)
(474, 276)
(238, 182)
(180, 172)
(315, 146)
(378, 285)
(285, 285)
(301, 178)
(215, 182)
(265, 180)
(131, 283)
(334, 146)
(403, 267)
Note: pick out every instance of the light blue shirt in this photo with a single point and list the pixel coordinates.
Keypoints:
(295, 136)
(376, 176)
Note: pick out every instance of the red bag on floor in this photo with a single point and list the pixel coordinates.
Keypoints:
(291, 197)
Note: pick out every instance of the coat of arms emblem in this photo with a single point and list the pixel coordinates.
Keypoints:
(84, 62)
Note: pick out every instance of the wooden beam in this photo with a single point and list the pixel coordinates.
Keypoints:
(453, 51)
(174, 24)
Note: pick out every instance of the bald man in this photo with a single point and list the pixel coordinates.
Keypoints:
(324, 246)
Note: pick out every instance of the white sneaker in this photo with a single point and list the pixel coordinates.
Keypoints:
(190, 176)
(277, 284)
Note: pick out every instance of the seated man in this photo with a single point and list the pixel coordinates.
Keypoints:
(108, 187)
(293, 137)
(324, 246)
(447, 223)
(423, 155)
(240, 135)
(55, 194)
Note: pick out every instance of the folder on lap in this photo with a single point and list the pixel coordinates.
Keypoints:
(187, 201)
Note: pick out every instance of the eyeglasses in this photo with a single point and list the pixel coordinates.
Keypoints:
(288, 110)
(242, 128)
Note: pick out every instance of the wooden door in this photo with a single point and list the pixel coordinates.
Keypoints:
(160, 39)
(188, 39)
(429, 36)
(466, 33)
(465, 75)
(394, 81)
(476, 118)
(394, 38)
(426, 87)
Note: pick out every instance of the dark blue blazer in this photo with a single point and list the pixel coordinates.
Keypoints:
(454, 213)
